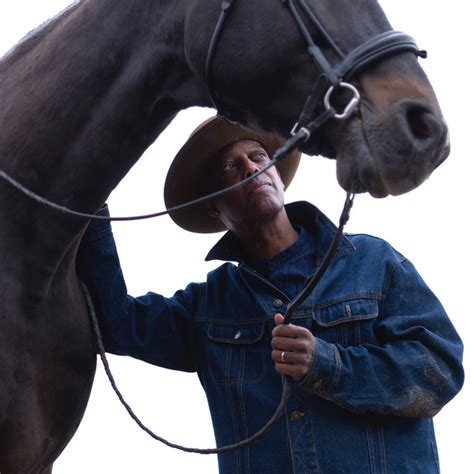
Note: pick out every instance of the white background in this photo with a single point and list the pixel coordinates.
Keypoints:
(432, 226)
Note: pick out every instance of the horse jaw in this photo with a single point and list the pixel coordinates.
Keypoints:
(361, 168)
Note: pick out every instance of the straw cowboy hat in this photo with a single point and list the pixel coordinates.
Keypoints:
(185, 178)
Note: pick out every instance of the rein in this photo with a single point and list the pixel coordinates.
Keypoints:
(316, 112)
(286, 390)
(290, 145)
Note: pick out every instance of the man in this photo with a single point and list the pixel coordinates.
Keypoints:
(372, 355)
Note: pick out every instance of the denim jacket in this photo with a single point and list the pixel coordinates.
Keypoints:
(387, 357)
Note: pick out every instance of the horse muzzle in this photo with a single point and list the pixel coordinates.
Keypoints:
(393, 152)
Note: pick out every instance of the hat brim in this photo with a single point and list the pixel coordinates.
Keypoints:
(186, 173)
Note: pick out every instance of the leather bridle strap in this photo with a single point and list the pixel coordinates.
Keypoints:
(211, 52)
(328, 257)
(375, 48)
(332, 76)
(315, 51)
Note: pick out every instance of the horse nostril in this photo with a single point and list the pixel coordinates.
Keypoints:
(422, 122)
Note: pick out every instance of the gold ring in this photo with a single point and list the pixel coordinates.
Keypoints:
(282, 357)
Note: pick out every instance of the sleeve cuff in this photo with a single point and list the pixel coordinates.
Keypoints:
(98, 228)
(324, 371)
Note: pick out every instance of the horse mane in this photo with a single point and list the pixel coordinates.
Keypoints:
(34, 37)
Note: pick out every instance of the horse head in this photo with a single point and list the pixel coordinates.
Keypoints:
(262, 75)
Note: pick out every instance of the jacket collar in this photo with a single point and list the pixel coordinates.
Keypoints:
(301, 213)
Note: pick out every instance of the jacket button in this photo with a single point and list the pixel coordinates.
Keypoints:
(297, 415)
(278, 303)
(238, 334)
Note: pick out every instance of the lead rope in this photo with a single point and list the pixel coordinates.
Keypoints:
(286, 390)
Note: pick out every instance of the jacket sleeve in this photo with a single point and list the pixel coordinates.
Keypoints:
(414, 370)
(152, 328)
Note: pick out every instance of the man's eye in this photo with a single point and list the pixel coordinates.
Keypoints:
(261, 156)
(230, 166)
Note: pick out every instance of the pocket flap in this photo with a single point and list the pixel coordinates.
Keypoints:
(236, 333)
(347, 311)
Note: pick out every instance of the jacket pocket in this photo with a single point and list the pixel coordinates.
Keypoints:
(235, 352)
(347, 322)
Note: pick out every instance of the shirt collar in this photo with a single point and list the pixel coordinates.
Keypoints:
(301, 213)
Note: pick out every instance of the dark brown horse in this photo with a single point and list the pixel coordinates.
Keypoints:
(83, 98)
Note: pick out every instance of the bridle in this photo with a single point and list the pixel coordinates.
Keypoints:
(317, 111)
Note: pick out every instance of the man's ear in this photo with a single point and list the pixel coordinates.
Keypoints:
(211, 209)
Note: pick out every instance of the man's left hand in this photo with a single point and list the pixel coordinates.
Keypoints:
(293, 349)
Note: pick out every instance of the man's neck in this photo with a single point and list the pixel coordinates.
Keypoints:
(266, 239)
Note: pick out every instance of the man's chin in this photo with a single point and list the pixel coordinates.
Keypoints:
(263, 209)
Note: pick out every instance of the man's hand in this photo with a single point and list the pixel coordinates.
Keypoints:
(293, 349)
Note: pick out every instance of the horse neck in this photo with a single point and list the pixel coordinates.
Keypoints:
(82, 99)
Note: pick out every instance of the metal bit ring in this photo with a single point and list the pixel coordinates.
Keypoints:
(350, 107)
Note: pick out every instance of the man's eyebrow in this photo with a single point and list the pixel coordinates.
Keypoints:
(255, 149)
(258, 149)
(227, 156)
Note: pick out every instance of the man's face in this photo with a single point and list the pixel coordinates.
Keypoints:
(260, 198)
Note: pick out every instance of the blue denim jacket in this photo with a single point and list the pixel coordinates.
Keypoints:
(387, 357)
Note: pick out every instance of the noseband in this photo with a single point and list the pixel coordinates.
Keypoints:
(332, 77)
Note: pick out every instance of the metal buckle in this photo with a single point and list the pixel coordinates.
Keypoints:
(350, 107)
(296, 128)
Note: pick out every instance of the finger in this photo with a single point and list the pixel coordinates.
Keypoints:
(279, 319)
(282, 357)
(289, 344)
(289, 330)
(290, 357)
(283, 343)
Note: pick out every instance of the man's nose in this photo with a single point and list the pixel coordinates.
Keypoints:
(251, 168)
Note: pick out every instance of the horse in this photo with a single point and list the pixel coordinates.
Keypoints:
(84, 96)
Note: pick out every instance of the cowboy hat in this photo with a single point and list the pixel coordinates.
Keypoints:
(185, 178)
